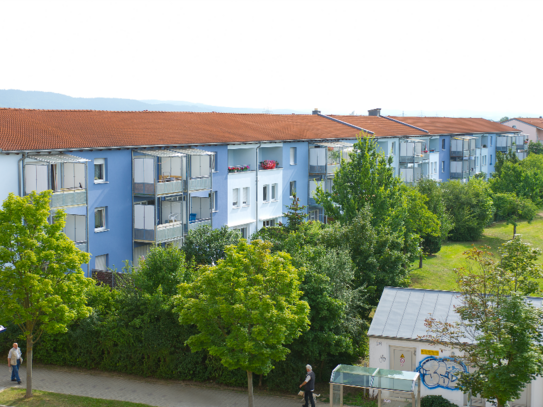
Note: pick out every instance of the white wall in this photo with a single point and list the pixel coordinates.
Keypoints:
(10, 175)
(381, 357)
(243, 214)
(271, 209)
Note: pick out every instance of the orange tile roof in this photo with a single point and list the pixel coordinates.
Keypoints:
(456, 125)
(536, 121)
(25, 129)
(380, 126)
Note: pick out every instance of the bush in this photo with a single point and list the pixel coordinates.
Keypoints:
(436, 401)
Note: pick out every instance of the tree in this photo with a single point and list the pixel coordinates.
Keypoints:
(470, 206)
(296, 214)
(246, 308)
(504, 119)
(163, 266)
(535, 148)
(501, 159)
(368, 179)
(499, 334)
(205, 245)
(523, 178)
(42, 285)
(436, 204)
(511, 208)
(421, 221)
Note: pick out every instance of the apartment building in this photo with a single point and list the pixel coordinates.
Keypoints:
(131, 180)
(532, 126)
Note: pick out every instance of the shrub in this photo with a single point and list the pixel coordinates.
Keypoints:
(436, 401)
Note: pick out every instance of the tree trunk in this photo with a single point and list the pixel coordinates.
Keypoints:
(260, 381)
(420, 261)
(250, 387)
(28, 367)
(514, 230)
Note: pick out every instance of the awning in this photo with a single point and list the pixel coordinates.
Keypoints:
(192, 151)
(57, 158)
(270, 218)
(241, 223)
(2, 329)
(160, 153)
(335, 144)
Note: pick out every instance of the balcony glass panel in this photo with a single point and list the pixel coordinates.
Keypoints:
(198, 184)
(169, 231)
(69, 198)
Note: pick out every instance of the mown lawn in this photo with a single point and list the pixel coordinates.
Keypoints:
(437, 271)
(15, 397)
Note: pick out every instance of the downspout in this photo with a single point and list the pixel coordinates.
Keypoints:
(256, 182)
(21, 174)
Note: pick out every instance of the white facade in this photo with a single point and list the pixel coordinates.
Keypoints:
(270, 207)
(242, 213)
(10, 177)
(386, 353)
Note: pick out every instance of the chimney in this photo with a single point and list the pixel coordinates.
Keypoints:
(316, 111)
(374, 112)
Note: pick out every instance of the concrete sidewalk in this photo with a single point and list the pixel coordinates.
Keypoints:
(162, 393)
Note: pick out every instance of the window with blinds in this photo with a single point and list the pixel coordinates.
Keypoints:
(245, 197)
(235, 197)
(100, 262)
(200, 166)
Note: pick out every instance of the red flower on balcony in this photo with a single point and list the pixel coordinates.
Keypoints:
(268, 164)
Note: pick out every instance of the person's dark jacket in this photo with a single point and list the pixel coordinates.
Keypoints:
(310, 385)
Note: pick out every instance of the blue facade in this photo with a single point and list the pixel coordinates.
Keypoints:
(220, 185)
(444, 167)
(116, 196)
(295, 172)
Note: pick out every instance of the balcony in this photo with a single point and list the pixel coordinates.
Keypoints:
(76, 197)
(325, 158)
(463, 147)
(413, 152)
(169, 231)
(82, 246)
(198, 184)
(459, 175)
(196, 223)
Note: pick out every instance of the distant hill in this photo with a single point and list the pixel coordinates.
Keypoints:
(49, 100)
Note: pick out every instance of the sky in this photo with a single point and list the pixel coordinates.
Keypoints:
(428, 58)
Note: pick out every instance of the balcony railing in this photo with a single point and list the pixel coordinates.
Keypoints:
(197, 184)
(459, 175)
(169, 231)
(170, 187)
(198, 223)
(81, 246)
(76, 197)
(411, 159)
(502, 149)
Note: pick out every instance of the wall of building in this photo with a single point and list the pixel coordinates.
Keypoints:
(220, 184)
(381, 356)
(116, 196)
(297, 172)
(272, 208)
(10, 175)
(530, 130)
(444, 166)
(242, 215)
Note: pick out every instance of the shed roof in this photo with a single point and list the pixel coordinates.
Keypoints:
(402, 311)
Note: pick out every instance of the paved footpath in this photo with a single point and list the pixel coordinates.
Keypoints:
(162, 393)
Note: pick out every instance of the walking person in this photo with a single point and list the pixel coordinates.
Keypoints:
(15, 360)
(309, 387)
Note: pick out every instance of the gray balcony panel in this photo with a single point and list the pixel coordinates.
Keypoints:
(169, 232)
(144, 188)
(199, 222)
(147, 235)
(69, 198)
(82, 246)
(196, 184)
(171, 187)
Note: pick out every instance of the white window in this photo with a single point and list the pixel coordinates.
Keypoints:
(442, 166)
(314, 215)
(265, 193)
(214, 202)
(476, 160)
(268, 223)
(274, 192)
(292, 188)
(100, 262)
(245, 197)
(235, 197)
(293, 157)
(244, 232)
(393, 148)
(99, 219)
(99, 170)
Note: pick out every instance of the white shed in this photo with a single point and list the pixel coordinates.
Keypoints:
(394, 343)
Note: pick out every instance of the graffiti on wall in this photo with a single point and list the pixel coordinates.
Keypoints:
(440, 372)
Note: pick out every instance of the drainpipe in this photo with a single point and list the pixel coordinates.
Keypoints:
(20, 174)
(256, 182)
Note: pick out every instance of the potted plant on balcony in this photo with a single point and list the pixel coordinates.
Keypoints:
(484, 145)
(425, 151)
(268, 164)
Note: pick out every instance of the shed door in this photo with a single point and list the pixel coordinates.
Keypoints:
(402, 358)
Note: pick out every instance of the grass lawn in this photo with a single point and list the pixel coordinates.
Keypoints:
(15, 397)
(437, 271)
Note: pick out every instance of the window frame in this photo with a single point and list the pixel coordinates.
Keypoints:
(442, 167)
(291, 190)
(443, 145)
(490, 161)
(247, 195)
(103, 210)
(107, 261)
(235, 202)
(214, 201)
(274, 190)
(100, 162)
(293, 157)
(266, 193)
(268, 223)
